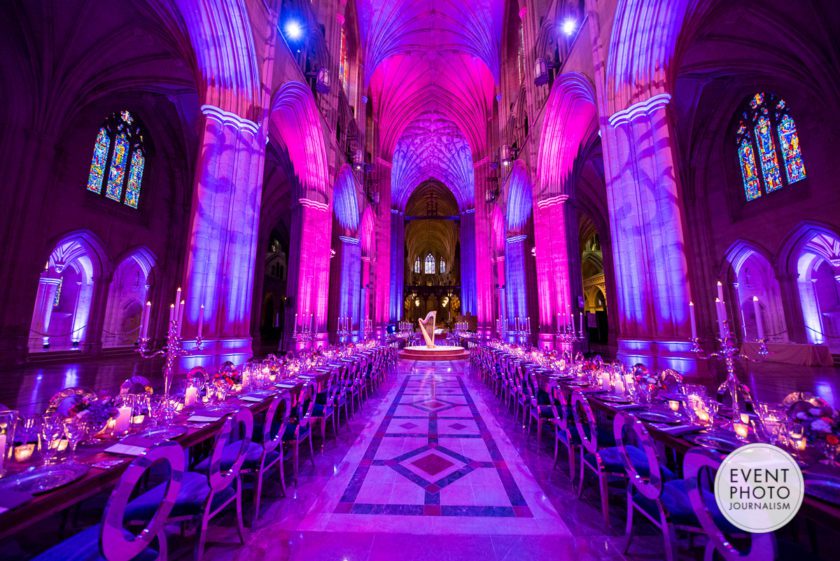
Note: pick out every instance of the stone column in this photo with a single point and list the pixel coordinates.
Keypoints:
(468, 263)
(646, 222)
(381, 254)
(553, 272)
(47, 288)
(351, 261)
(223, 237)
(515, 276)
(484, 284)
(397, 264)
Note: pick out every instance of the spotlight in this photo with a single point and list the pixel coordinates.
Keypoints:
(569, 26)
(293, 30)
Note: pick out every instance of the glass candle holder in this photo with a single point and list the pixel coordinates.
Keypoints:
(8, 423)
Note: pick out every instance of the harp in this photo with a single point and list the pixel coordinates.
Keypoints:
(427, 327)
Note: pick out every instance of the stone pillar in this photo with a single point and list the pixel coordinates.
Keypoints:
(381, 254)
(364, 304)
(484, 283)
(397, 264)
(553, 271)
(468, 264)
(47, 288)
(646, 222)
(516, 282)
(223, 237)
(351, 261)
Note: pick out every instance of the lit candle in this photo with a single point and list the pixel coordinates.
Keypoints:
(559, 324)
(180, 317)
(741, 430)
(172, 316)
(759, 323)
(580, 317)
(800, 443)
(138, 419)
(2, 450)
(200, 319)
(693, 317)
(144, 321)
(702, 415)
(177, 300)
(674, 405)
(123, 419)
(745, 418)
(191, 396)
(296, 323)
(720, 291)
(721, 315)
(23, 452)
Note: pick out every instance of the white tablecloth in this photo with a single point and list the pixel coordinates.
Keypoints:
(792, 353)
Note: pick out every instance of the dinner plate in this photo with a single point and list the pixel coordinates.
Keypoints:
(661, 417)
(720, 443)
(164, 433)
(43, 479)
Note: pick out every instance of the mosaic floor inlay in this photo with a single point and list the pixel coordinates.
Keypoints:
(434, 450)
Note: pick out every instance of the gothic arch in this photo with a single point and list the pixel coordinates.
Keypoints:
(520, 198)
(345, 200)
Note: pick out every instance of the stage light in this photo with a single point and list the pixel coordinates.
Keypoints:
(569, 26)
(293, 30)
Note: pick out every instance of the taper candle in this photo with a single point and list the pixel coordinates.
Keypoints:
(200, 319)
(693, 318)
(759, 322)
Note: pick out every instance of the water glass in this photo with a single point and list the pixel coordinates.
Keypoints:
(75, 429)
(8, 423)
(52, 436)
(27, 439)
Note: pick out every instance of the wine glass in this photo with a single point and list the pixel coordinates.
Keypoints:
(712, 407)
(52, 433)
(75, 429)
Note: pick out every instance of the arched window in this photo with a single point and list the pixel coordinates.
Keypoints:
(343, 66)
(118, 160)
(442, 265)
(417, 265)
(430, 264)
(766, 136)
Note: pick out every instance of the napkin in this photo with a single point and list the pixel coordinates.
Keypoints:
(286, 385)
(253, 398)
(677, 429)
(126, 449)
(202, 419)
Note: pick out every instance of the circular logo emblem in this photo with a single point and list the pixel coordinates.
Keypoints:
(759, 488)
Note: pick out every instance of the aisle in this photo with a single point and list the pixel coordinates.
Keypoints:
(436, 462)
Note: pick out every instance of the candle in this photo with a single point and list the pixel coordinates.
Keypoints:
(580, 317)
(138, 419)
(2, 450)
(702, 415)
(759, 323)
(172, 316)
(296, 323)
(693, 318)
(123, 419)
(23, 452)
(177, 301)
(800, 443)
(674, 405)
(200, 319)
(741, 430)
(144, 321)
(720, 291)
(191, 396)
(745, 418)
(721, 315)
(180, 317)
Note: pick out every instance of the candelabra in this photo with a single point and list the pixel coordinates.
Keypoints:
(304, 334)
(172, 350)
(367, 328)
(343, 331)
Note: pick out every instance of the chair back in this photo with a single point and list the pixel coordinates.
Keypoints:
(585, 422)
(119, 544)
(241, 425)
(560, 408)
(650, 486)
(276, 419)
(699, 467)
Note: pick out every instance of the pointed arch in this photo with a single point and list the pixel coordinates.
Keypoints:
(295, 120)
(570, 121)
(345, 199)
(127, 295)
(520, 197)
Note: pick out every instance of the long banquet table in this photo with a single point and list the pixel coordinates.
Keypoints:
(98, 480)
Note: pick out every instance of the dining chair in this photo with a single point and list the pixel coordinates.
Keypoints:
(205, 495)
(111, 540)
(325, 409)
(540, 411)
(654, 491)
(565, 432)
(299, 429)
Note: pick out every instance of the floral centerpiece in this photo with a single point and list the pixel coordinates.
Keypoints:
(95, 410)
(820, 421)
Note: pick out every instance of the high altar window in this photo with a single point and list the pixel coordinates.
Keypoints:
(417, 265)
(118, 160)
(767, 140)
(430, 265)
(442, 265)
(343, 69)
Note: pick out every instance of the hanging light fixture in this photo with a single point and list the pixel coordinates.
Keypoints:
(506, 160)
(540, 72)
(322, 83)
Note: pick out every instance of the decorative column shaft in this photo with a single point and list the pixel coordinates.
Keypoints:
(223, 236)
(516, 285)
(351, 271)
(553, 275)
(468, 264)
(397, 264)
(484, 284)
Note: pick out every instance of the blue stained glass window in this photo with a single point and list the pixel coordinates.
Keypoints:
(765, 120)
(417, 265)
(442, 266)
(430, 265)
(119, 156)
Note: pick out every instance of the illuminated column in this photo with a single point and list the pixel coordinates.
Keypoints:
(381, 253)
(223, 236)
(468, 269)
(484, 285)
(47, 288)
(364, 297)
(553, 276)
(309, 268)
(516, 283)
(648, 235)
(351, 261)
(397, 264)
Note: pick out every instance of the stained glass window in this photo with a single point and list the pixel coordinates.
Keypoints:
(442, 266)
(343, 69)
(417, 266)
(119, 156)
(756, 140)
(430, 265)
(97, 163)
